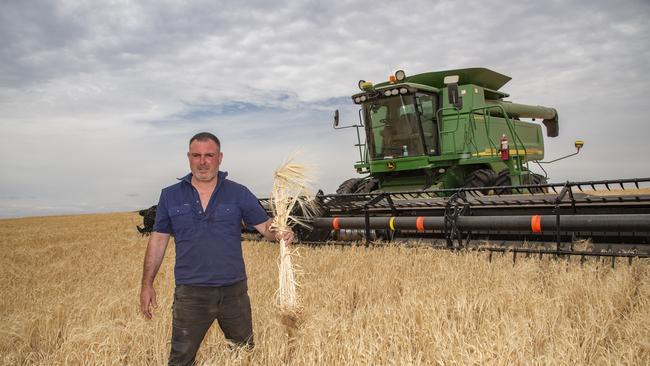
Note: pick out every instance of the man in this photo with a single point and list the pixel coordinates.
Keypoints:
(204, 212)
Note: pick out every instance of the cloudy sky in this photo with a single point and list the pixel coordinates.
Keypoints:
(98, 99)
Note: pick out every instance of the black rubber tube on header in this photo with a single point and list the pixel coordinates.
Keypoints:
(546, 223)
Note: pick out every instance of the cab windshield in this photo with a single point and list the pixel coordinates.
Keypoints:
(394, 129)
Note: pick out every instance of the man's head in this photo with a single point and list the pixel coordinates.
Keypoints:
(204, 156)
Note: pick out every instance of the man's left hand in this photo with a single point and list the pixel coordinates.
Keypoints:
(273, 235)
(286, 235)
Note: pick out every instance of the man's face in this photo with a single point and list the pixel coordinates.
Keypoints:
(205, 158)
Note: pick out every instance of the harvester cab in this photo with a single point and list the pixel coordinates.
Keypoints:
(445, 130)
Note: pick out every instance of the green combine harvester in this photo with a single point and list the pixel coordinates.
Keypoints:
(447, 159)
(446, 129)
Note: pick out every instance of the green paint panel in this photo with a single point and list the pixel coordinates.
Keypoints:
(416, 139)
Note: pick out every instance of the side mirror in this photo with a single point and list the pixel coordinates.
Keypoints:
(452, 87)
(336, 121)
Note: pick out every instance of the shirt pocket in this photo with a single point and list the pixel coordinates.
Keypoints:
(227, 217)
(182, 220)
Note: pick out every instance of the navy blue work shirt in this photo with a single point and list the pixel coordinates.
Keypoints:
(208, 243)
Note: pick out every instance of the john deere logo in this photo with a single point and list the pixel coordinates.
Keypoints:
(390, 165)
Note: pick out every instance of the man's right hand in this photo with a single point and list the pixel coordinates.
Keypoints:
(147, 300)
(152, 259)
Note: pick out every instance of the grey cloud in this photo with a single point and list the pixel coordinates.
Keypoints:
(98, 88)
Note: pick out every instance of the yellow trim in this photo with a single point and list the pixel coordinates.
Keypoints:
(391, 223)
(494, 152)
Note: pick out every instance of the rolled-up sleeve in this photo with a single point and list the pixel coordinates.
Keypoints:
(252, 211)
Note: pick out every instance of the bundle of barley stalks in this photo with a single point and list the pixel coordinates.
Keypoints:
(290, 195)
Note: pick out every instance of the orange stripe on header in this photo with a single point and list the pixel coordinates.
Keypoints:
(419, 223)
(536, 223)
(335, 223)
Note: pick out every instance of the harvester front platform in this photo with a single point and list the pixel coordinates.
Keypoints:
(610, 216)
(607, 218)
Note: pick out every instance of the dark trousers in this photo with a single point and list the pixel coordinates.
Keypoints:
(196, 308)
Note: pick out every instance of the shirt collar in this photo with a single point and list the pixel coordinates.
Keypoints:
(220, 177)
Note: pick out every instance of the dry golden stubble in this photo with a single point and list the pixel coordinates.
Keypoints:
(70, 292)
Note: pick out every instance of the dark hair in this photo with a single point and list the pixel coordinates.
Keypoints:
(204, 136)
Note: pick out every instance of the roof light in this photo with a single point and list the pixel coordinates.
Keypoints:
(394, 92)
(403, 91)
(400, 75)
(387, 93)
(391, 78)
(362, 98)
(357, 100)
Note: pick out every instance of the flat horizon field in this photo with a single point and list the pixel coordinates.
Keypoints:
(70, 288)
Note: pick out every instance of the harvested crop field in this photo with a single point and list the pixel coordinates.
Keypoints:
(70, 289)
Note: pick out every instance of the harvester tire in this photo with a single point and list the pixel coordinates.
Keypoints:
(148, 220)
(480, 178)
(367, 185)
(534, 178)
(502, 180)
(349, 186)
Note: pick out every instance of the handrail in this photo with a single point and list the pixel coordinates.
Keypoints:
(440, 121)
(472, 134)
(484, 110)
(359, 144)
(486, 117)
(513, 133)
